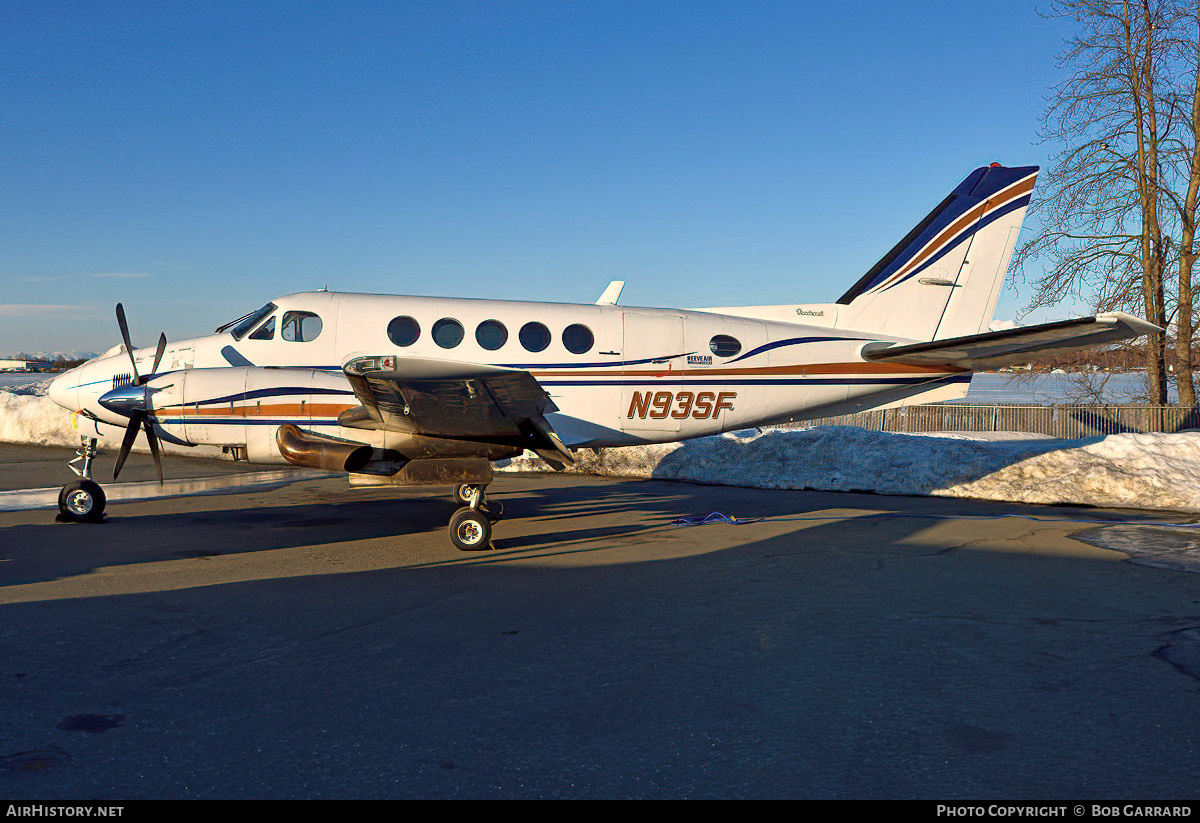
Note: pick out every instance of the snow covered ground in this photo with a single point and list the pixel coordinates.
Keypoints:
(27, 415)
(1121, 470)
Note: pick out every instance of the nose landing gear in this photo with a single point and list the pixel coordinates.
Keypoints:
(82, 500)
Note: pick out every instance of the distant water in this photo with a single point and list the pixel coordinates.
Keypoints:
(1048, 389)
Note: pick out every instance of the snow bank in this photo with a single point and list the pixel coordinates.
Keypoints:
(28, 416)
(1123, 470)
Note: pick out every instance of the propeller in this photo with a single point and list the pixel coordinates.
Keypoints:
(133, 401)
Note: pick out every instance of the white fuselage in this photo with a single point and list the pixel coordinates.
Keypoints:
(617, 375)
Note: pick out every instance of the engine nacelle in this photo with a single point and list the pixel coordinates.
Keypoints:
(233, 406)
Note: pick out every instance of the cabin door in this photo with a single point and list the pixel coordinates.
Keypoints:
(653, 354)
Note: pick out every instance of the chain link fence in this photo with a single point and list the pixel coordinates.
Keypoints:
(1064, 421)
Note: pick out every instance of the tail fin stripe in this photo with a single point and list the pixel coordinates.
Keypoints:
(976, 218)
(991, 216)
(989, 187)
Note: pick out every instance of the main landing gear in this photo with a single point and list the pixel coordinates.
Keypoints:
(471, 525)
(82, 500)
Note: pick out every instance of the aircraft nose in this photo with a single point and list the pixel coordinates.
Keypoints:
(64, 390)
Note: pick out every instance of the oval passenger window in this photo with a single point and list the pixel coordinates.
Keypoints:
(722, 345)
(404, 331)
(447, 332)
(534, 336)
(577, 338)
(491, 334)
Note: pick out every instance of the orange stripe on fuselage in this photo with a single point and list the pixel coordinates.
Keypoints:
(272, 410)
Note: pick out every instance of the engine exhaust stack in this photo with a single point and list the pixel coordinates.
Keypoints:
(314, 451)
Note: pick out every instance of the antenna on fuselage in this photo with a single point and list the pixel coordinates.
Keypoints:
(611, 294)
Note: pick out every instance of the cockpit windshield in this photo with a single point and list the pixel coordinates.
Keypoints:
(245, 323)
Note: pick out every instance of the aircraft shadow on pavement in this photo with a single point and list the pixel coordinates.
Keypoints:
(53, 550)
(33, 553)
(62, 550)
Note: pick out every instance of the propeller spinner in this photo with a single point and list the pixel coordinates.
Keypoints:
(133, 401)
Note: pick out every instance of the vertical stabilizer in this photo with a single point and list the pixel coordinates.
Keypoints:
(944, 278)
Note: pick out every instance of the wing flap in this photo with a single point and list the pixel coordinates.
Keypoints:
(1013, 346)
(453, 400)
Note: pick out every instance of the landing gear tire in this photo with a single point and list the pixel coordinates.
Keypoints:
(463, 492)
(470, 530)
(81, 501)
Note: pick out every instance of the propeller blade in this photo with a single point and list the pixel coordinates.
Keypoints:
(125, 338)
(140, 418)
(162, 346)
(152, 439)
(131, 431)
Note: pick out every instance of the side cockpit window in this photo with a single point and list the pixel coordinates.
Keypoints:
(264, 332)
(245, 323)
(300, 326)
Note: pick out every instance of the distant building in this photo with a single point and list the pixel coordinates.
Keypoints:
(25, 365)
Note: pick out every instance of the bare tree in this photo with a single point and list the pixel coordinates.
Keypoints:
(1190, 152)
(1103, 201)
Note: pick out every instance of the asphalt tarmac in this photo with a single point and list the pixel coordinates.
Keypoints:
(313, 641)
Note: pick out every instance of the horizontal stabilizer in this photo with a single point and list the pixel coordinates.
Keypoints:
(1013, 346)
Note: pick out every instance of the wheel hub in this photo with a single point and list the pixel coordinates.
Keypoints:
(469, 532)
(79, 501)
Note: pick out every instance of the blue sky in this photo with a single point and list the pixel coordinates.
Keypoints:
(195, 159)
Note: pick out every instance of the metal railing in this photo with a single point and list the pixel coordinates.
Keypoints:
(1065, 421)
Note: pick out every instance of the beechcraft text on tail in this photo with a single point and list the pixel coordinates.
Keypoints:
(400, 390)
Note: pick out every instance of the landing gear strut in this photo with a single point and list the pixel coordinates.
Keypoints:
(82, 500)
(471, 525)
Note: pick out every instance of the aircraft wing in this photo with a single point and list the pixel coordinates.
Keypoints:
(1012, 346)
(454, 401)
